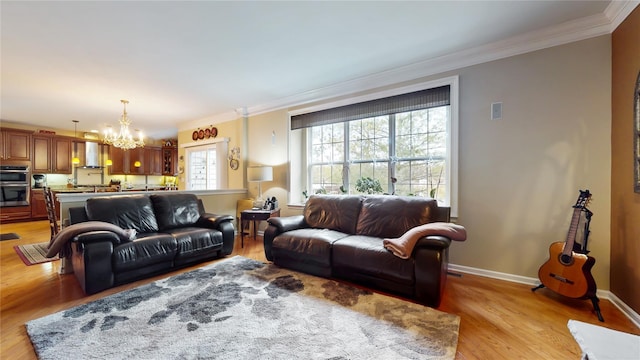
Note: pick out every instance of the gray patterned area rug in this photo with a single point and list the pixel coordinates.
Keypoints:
(240, 308)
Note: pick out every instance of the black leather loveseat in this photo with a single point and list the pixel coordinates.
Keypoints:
(342, 237)
(172, 230)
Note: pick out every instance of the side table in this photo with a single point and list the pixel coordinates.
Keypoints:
(255, 215)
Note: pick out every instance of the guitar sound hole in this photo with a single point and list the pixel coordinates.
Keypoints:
(566, 259)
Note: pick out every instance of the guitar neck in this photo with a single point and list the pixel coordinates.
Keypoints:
(573, 230)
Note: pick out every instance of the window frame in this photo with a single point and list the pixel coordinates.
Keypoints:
(298, 181)
(221, 147)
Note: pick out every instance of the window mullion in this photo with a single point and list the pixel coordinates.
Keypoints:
(392, 152)
(346, 170)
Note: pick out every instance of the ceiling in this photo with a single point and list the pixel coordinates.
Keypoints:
(179, 62)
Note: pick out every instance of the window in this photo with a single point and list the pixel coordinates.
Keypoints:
(202, 168)
(206, 166)
(405, 142)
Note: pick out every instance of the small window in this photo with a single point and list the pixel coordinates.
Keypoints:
(206, 166)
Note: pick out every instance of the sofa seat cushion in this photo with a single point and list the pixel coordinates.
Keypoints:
(311, 246)
(146, 250)
(194, 240)
(367, 255)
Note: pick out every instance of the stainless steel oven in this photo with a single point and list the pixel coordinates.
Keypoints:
(14, 185)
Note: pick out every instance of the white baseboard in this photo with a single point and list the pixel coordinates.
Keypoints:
(602, 294)
(632, 315)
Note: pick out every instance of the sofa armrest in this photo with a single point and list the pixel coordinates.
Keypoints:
(92, 253)
(431, 257)
(213, 221)
(433, 242)
(97, 236)
(288, 223)
(223, 223)
(279, 225)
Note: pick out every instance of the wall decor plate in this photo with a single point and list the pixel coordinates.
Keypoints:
(234, 164)
(207, 133)
(214, 131)
(194, 136)
(200, 134)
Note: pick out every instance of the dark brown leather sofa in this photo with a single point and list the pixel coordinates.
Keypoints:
(172, 229)
(342, 237)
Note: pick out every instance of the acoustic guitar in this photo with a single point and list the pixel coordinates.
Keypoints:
(568, 272)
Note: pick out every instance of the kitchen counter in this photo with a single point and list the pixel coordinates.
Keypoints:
(104, 189)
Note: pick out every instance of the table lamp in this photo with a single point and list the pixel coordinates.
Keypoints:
(259, 174)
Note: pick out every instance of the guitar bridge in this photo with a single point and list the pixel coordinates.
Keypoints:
(561, 279)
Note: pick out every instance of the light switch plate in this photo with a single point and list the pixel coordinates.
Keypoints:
(496, 111)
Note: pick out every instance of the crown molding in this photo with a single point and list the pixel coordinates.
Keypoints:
(568, 32)
(617, 11)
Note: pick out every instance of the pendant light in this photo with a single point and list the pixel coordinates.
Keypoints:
(75, 160)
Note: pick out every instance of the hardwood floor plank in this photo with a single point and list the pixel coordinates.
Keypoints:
(499, 319)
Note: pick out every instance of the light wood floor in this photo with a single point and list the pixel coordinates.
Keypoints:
(499, 319)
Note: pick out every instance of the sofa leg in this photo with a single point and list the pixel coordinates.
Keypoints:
(66, 266)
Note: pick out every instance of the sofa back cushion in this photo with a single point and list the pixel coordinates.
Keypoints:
(390, 216)
(333, 212)
(174, 210)
(126, 211)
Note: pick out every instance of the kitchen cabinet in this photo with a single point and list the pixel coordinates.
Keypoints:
(118, 159)
(78, 150)
(51, 154)
(61, 155)
(41, 162)
(169, 160)
(124, 162)
(138, 154)
(154, 157)
(38, 206)
(16, 144)
(15, 213)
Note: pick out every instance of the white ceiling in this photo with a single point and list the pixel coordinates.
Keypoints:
(178, 62)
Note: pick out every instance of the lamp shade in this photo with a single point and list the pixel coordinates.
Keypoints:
(259, 173)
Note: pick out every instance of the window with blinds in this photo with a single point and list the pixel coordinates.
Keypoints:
(403, 143)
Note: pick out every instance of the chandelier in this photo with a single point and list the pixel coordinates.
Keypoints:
(123, 139)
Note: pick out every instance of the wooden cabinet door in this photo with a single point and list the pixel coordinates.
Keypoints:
(138, 154)
(154, 156)
(78, 150)
(16, 145)
(118, 159)
(62, 155)
(169, 161)
(41, 162)
(38, 206)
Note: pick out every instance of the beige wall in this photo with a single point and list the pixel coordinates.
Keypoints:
(625, 209)
(230, 129)
(519, 176)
